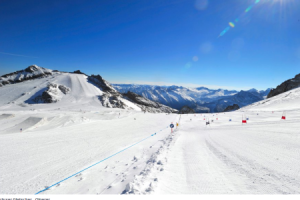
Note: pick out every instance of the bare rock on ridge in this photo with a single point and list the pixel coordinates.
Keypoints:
(285, 86)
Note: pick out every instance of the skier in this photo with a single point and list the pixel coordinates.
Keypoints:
(20, 129)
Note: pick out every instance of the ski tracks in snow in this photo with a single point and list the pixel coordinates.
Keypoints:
(260, 178)
(235, 160)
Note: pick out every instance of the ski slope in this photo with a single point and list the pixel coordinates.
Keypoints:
(260, 157)
(226, 157)
(82, 95)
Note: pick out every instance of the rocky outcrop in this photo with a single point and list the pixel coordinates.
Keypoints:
(148, 105)
(186, 110)
(53, 94)
(285, 86)
(232, 108)
(78, 72)
(99, 82)
(112, 101)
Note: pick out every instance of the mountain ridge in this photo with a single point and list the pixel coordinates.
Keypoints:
(201, 99)
(52, 88)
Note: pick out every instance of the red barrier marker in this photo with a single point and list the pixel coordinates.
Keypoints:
(283, 115)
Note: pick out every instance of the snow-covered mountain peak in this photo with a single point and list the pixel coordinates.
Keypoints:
(252, 90)
(31, 72)
(34, 68)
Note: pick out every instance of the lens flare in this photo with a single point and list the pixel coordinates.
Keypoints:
(224, 31)
(248, 9)
(232, 25)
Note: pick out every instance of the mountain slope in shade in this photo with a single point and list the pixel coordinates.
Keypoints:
(147, 105)
(285, 86)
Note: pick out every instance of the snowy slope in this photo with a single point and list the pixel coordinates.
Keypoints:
(226, 157)
(286, 101)
(20, 95)
(138, 152)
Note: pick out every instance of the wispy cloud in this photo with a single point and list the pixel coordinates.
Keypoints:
(11, 54)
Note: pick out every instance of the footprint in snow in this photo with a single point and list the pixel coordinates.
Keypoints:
(159, 162)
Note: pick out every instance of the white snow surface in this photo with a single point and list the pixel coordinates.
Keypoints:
(225, 157)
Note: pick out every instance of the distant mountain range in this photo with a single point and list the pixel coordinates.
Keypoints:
(200, 99)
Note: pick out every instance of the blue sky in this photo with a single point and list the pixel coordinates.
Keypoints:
(156, 42)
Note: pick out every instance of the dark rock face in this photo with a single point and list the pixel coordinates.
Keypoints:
(232, 108)
(64, 89)
(46, 98)
(79, 72)
(98, 81)
(147, 105)
(141, 100)
(49, 95)
(31, 68)
(285, 86)
(186, 110)
(111, 101)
